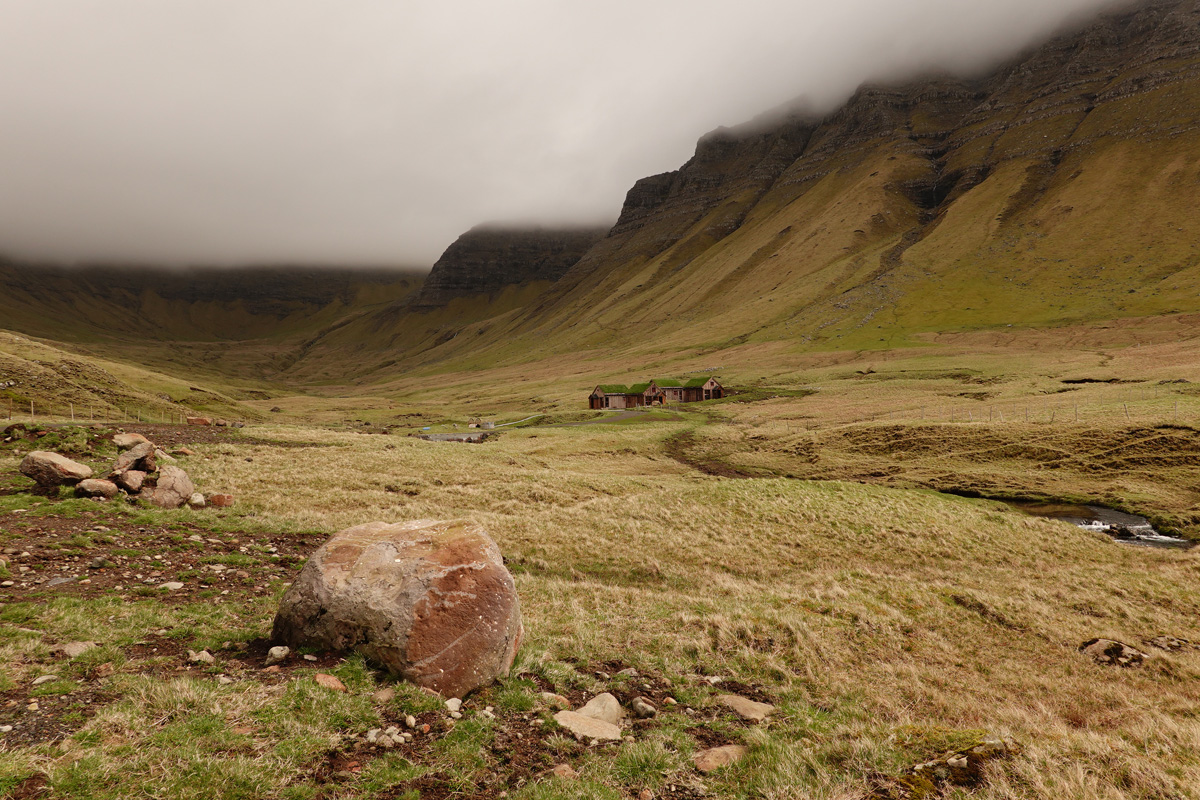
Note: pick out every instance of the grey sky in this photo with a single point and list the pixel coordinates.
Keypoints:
(365, 131)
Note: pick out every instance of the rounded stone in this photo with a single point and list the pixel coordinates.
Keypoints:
(430, 601)
(96, 487)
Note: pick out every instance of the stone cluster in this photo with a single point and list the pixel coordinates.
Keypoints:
(142, 471)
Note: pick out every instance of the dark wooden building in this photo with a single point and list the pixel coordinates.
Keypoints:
(655, 393)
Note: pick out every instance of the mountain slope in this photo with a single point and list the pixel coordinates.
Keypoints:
(1058, 189)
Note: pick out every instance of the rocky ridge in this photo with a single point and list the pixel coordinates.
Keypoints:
(486, 259)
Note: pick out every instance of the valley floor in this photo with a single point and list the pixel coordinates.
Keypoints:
(889, 625)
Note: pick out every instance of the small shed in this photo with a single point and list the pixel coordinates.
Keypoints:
(608, 396)
(699, 389)
(672, 390)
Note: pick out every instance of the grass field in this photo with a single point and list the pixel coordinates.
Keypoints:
(888, 625)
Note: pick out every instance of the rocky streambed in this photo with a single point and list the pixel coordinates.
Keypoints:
(1127, 528)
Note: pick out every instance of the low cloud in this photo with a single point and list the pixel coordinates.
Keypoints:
(370, 131)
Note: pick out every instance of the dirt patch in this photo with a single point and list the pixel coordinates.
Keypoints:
(682, 448)
(99, 553)
(32, 788)
(56, 716)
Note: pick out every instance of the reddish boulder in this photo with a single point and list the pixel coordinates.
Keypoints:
(430, 601)
(199, 421)
(51, 470)
(220, 500)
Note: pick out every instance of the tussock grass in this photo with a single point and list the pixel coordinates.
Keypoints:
(887, 624)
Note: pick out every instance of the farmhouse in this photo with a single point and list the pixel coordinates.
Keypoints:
(655, 393)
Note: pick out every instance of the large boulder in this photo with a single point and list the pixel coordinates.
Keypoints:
(172, 490)
(430, 601)
(51, 469)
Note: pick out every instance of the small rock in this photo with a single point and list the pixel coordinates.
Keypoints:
(670, 701)
(1171, 643)
(745, 708)
(7, 584)
(203, 657)
(124, 441)
(196, 500)
(99, 562)
(629, 672)
(6, 728)
(645, 794)
(555, 700)
(392, 731)
(642, 709)
(716, 757)
(1110, 653)
(373, 734)
(385, 695)
(454, 704)
(309, 657)
(220, 500)
(385, 741)
(274, 669)
(565, 772)
(329, 682)
(73, 649)
(96, 487)
(585, 727)
(224, 680)
(410, 721)
(277, 654)
(44, 679)
(456, 715)
(171, 586)
(32, 706)
(603, 707)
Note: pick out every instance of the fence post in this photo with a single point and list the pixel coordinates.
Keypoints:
(31, 414)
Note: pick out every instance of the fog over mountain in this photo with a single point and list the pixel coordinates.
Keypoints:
(367, 131)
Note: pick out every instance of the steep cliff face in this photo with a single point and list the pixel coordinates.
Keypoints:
(488, 259)
(1046, 192)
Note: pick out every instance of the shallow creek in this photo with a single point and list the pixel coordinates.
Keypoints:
(1126, 528)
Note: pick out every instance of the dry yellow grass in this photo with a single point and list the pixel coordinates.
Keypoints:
(869, 611)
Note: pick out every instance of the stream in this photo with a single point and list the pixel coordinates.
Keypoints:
(1126, 528)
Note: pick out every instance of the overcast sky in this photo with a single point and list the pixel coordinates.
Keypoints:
(376, 131)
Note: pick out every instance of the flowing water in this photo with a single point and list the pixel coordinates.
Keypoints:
(1127, 528)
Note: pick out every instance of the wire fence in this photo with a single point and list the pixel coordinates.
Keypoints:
(35, 413)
